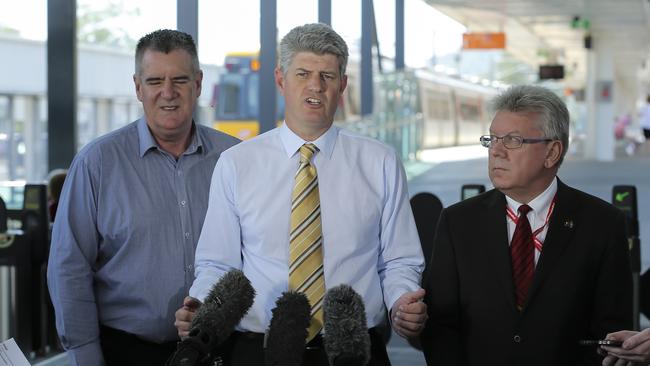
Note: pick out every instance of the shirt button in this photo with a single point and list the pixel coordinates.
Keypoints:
(516, 338)
(183, 203)
(187, 235)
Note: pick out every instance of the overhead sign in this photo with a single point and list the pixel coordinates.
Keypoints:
(473, 41)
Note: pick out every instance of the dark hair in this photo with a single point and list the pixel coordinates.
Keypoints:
(553, 115)
(166, 40)
(318, 38)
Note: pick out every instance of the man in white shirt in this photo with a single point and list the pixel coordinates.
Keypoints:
(366, 236)
(521, 273)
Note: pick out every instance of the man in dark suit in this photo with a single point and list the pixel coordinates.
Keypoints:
(521, 273)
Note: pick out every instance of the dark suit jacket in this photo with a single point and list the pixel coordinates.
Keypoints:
(582, 287)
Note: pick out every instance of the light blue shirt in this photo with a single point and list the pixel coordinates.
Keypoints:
(124, 238)
(369, 236)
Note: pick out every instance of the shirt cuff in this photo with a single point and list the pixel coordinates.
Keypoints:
(89, 354)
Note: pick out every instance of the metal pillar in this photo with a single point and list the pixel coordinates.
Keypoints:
(268, 55)
(61, 82)
(187, 18)
(366, 57)
(325, 11)
(399, 34)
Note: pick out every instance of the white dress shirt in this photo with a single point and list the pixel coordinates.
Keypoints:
(537, 216)
(370, 241)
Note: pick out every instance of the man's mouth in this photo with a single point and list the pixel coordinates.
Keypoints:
(313, 101)
(169, 107)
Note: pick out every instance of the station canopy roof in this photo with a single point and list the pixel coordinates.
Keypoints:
(553, 32)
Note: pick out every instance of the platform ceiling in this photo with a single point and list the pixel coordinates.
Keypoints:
(543, 31)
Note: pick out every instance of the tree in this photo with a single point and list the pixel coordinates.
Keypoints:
(98, 25)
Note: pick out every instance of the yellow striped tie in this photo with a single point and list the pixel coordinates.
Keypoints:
(305, 239)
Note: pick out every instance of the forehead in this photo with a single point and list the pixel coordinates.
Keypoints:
(505, 122)
(176, 61)
(312, 61)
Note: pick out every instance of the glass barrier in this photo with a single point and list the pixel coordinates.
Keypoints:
(12, 193)
(396, 120)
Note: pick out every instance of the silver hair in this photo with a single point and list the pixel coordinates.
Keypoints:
(317, 38)
(166, 41)
(553, 115)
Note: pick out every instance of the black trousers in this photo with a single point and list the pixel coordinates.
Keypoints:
(125, 349)
(247, 349)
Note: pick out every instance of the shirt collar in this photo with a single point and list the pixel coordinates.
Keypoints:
(539, 204)
(292, 142)
(147, 142)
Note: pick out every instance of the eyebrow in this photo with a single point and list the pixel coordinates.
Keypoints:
(176, 78)
(331, 72)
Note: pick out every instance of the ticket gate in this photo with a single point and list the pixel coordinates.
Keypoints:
(26, 313)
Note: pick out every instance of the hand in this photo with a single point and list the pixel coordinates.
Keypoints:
(184, 316)
(409, 314)
(635, 348)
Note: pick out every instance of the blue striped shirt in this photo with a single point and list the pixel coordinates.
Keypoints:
(125, 233)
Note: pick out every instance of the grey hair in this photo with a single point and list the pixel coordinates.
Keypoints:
(317, 38)
(553, 115)
(166, 41)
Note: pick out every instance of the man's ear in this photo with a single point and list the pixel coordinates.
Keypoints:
(279, 80)
(553, 153)
(199, 82)
(138, 91)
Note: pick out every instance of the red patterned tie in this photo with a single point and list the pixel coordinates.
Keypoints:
(522, 252)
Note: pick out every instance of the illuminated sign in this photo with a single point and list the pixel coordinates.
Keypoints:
(473, 41)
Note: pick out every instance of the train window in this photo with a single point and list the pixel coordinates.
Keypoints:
(438, 106)
(253, 96)
(469, 111)
(229, 102)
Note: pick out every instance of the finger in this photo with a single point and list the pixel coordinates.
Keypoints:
(609, 360)
(418, 318)
(191, 303)
(412, 328)
(405, 332)
(413, 308)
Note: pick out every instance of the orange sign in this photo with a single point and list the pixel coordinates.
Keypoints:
(484, 40)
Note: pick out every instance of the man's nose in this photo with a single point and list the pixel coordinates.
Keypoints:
(168, 91)
(315, 84)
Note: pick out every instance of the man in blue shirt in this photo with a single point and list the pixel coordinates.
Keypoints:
(362, 228)
(130, 213)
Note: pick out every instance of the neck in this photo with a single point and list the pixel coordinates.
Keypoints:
(307, 134)
(174, 145)
(529, 193)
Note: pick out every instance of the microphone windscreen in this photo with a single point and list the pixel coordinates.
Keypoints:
(224, 307)
(226, 304)
(346, 339)
(287, 335)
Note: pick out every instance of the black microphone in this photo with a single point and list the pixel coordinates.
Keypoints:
(346, 340)
(287, 335)
(224, 307)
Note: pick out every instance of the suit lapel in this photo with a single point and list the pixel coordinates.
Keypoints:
(496, 247)
(559, 236)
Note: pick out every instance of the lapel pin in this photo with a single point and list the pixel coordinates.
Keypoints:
(568, 223)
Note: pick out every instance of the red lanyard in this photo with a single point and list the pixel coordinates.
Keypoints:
(538, 243)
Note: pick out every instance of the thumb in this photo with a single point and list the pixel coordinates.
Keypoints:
(191, 303)
(414, 296)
